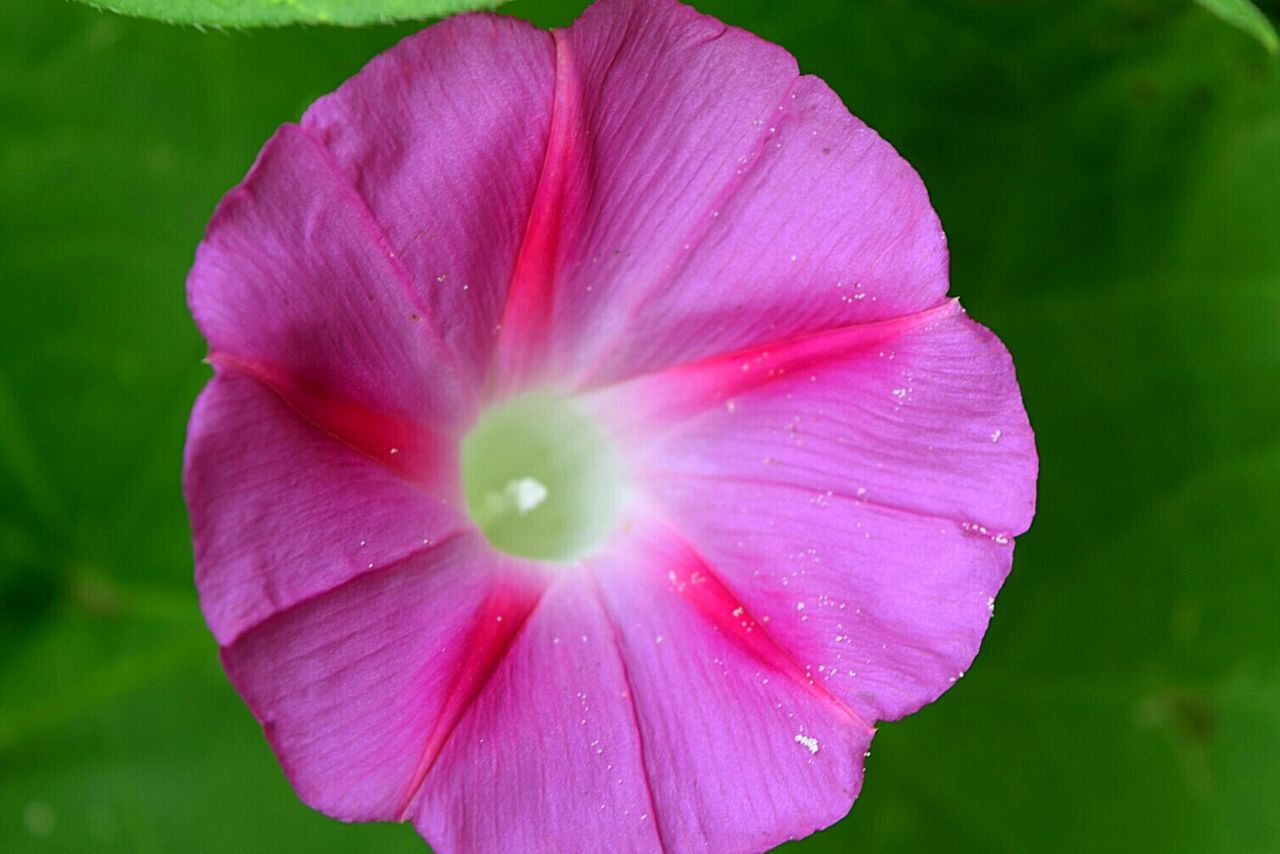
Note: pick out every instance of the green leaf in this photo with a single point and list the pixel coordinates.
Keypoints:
(259, 13)
(1248, 17)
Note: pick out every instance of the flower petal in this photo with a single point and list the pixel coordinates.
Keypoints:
(706, 198)
(548, 759)
(743, 750)
(444, 138)
(293, 283)
(282, 512)
(921, 413)
(359, 689)
(859, 488)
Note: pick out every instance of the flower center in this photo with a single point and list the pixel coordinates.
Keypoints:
(542, 479)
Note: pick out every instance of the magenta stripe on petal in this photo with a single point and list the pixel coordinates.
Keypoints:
(411, 450)
(282, 512)
(739, 756)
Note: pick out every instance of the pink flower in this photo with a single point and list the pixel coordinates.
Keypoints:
(593, 454)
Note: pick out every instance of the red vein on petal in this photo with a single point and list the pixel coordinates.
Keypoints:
(409, 449)
(526, 314)
(711, 596)
(631, 699)
(498, 622)
(691, 387)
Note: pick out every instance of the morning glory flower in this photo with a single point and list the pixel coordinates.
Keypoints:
(593, 454)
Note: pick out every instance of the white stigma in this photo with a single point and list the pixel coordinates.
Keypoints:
(526, 493)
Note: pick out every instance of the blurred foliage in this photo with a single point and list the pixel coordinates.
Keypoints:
(1109, 174)
(253, 13)
(1248, 17)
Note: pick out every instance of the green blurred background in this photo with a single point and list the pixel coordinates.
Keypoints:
(1109, 175)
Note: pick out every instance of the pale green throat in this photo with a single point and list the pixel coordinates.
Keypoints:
(541, 477)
